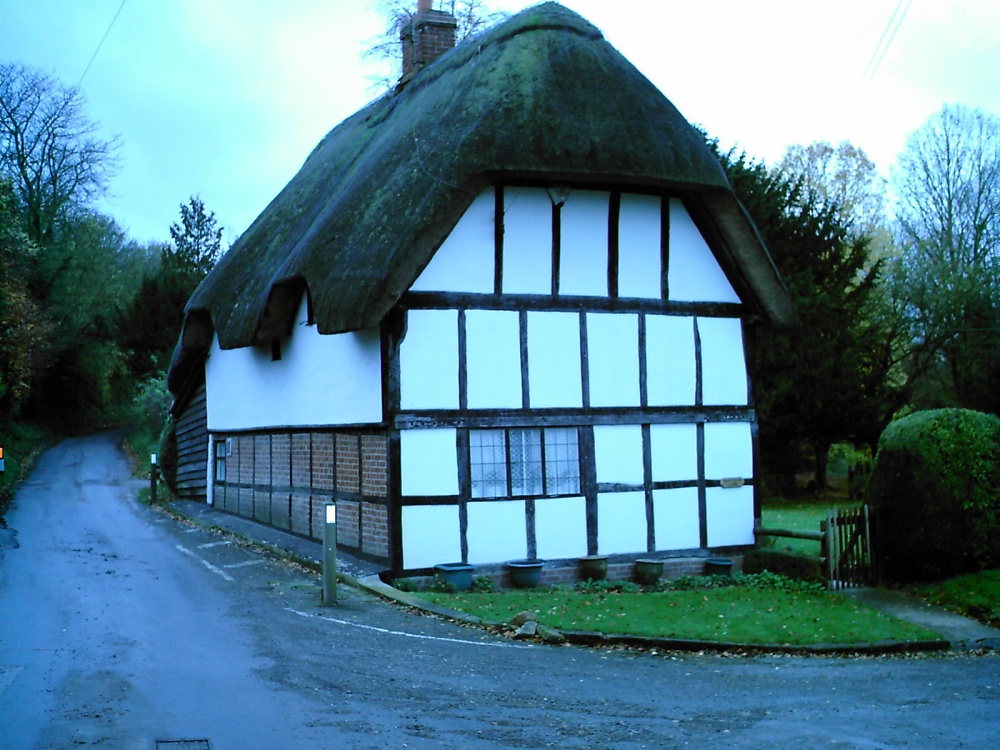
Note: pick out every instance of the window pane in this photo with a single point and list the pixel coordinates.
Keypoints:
(562, 461)
(487, 451)
(526, 462)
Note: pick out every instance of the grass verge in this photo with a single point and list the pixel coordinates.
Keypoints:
(22, 445)
(782, 612)
(976, 595)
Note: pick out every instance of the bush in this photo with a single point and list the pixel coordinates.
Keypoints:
(789, 564)
(935, 489)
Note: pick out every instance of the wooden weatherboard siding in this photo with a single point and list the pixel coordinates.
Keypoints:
(192, 448)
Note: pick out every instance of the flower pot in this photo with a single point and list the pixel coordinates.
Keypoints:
(594, 567)
(716, 566)
(524, 574)
(648, 572)
(457, 574)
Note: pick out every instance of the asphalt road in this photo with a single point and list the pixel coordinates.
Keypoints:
(120, 626)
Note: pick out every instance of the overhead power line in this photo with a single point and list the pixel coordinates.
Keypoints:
(885, 41)
(101, 43)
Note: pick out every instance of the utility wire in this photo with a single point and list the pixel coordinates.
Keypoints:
(885, 41)
(101, 43)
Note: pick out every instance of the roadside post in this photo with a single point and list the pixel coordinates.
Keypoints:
(154, 474)
(330, 555)
(2, 467)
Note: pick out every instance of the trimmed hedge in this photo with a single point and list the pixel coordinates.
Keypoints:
(935, 490)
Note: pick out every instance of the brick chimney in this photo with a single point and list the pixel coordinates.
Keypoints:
(425, 36)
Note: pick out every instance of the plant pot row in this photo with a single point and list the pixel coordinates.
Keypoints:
(527, 573)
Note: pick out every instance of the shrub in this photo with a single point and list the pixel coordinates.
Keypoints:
(789, 564)
(935, 489)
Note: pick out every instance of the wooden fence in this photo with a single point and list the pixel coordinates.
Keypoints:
(845, 540)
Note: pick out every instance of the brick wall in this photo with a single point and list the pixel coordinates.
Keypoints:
(375, 529)
(375, 466)
(348, 465)
(348, 519)
(322, 461)
(285, 480)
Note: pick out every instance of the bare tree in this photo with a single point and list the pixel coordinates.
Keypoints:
(842, 175)
(948, 213)
(49, 149)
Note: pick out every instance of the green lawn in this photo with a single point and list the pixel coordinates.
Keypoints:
(797, 516)
(976, 595)
(731, 614)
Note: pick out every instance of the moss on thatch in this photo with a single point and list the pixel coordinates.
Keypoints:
(541, 96)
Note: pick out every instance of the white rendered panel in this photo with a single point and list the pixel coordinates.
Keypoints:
(527, 241)
(723, 364)
(728, 450)
(670, 360)
(618, 453)
(560, 527)
(496, 531)
(493, 359)
(675, 518)
(729, 514)
(621, 522)
(613, 358)
(428, 360)
(583, 246)
(694, 274)
(431, 535)
(674, 449)
(319, 380)
(428, 462)
(639, 264)
(554, 375)
(465, 261)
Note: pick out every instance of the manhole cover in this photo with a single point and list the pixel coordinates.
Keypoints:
(183, 745)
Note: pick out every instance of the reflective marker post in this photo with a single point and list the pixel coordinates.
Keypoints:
(154, 474)
(330, 555)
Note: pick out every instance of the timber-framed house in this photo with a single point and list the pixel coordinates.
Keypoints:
(505, 311)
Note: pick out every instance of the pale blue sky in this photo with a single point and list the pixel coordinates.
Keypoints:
(226, 98)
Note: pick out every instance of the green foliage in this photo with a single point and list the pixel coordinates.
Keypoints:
(440, 586)
(935, 489)
(482, 584)
(405, 584)
(786, 563)
(607, 586)
(764, 580)
(976, 595)
(826, 380)
(197, 243)
(22, 444)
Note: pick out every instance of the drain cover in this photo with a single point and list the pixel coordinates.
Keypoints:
(183, 745)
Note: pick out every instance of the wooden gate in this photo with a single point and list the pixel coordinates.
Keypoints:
(847, 548)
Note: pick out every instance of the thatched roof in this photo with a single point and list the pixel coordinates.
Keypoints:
(542, 96)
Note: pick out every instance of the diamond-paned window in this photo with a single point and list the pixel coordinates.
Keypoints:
(530, 462)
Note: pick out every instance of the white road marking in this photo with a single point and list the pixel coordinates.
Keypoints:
(205, 562)
(244, 564)
(209, 545)
(407, 635)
